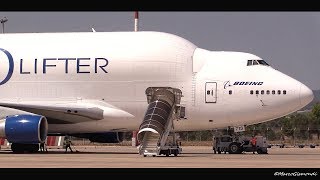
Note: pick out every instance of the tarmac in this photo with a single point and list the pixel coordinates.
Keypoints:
(191, 157)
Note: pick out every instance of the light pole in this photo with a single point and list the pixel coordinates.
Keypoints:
(294, 137)
(308, 134)
(3, 20)
(267, 133)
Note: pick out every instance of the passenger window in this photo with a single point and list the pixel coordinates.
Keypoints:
(251, 92)
(284, 92)
(262, 92)
(273, 92)
(268, 92)
(279, 92)
(208, 92)
(249, 63)
(230, 92)
(255, 62)
(257, 91)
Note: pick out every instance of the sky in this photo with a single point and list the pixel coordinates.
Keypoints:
(288, 41)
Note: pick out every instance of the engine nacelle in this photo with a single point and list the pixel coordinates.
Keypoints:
(107, 137)
(25, 129)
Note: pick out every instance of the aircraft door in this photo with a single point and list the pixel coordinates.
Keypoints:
(211, 92)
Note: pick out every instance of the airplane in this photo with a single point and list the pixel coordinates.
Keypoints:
(100, 85)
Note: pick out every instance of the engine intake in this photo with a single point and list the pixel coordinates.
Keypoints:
(25, 129)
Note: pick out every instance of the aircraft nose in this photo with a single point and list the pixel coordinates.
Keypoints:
(306, 95)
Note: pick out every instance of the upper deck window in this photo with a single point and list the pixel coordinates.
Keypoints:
(257, 62)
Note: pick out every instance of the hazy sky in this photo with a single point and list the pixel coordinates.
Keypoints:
(289, 41)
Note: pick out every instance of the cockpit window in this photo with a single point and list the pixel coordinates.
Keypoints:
(262, 62)
(257, 62)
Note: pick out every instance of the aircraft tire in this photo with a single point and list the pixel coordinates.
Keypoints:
(24, 148)
(175, 153)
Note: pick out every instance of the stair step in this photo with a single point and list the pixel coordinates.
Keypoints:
(150, 143)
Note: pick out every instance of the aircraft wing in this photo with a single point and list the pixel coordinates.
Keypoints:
(69, 112)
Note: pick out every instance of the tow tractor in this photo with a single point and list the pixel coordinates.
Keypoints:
(238, 145)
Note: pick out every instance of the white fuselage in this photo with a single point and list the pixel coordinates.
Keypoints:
(115, 68)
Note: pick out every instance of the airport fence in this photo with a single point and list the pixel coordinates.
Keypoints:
(201, 138)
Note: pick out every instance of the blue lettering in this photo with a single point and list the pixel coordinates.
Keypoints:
(35, 65)
(102, 67)
(66, 63)
(45, 64)
(78, 65)
(247, 83)
(11, 66)
(21, 71)
(82, 67)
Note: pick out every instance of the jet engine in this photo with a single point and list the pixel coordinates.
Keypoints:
(24, 129)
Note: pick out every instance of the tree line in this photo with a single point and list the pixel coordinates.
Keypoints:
(299, 125)
(303, 125)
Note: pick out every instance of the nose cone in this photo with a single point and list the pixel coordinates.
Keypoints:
(306, 95)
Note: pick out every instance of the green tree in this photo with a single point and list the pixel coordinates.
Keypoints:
(316, 110)
(316, 121)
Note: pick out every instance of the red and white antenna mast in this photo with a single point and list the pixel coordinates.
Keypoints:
(136, 21)
(136, 26)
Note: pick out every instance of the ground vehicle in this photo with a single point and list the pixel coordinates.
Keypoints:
(262, 146)
(171, 146)
(238, 145)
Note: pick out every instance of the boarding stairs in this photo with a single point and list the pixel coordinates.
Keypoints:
(154, 130)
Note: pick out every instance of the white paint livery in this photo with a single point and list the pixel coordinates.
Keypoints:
(108, 94)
